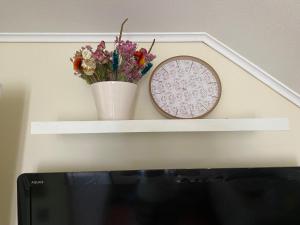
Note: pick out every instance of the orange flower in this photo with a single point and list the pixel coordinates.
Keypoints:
(140, 58)
(77, 64)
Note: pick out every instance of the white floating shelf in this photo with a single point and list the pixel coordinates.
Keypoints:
(172, 125)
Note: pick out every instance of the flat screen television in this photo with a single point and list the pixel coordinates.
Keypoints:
(244, 196)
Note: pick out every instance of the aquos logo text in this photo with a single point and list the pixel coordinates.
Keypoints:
(37, 182)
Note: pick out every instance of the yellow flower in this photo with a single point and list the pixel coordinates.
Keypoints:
(88, 66)
(86, 54)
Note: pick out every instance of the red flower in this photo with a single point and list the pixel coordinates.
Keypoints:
(77, 64)
(140, 57)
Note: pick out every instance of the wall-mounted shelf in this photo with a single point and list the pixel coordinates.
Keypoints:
(172, 125)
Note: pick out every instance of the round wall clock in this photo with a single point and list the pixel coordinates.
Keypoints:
(185, 87)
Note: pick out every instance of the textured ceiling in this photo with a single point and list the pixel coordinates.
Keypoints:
(264, 31)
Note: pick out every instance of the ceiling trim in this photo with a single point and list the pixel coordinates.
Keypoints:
(212, 42)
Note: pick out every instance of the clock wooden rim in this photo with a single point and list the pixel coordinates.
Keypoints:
(193, 58)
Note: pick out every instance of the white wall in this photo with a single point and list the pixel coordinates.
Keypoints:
(265, 31)
(39, 85)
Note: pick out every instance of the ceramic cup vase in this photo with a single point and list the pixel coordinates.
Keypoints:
(114, 100)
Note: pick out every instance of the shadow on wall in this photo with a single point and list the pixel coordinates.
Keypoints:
(13, 113)
(161, 151)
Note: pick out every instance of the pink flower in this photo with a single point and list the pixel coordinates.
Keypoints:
(150, 57)
(101, 55)
(101, 45)
(126, 49)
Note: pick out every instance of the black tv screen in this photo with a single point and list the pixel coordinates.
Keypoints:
(257, 196)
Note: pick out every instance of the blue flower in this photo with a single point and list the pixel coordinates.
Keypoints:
(115, 61)
(146, 69)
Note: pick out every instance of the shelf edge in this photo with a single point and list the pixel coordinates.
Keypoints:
(151, 126)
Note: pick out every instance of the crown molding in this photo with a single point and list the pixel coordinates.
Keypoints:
(95, 37)
(209, 40)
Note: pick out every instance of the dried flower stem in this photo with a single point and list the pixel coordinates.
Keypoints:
(91, 79)
(119, 41)
(153, 42)
(121, 31)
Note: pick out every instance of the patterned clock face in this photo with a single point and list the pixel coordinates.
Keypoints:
(185, 87)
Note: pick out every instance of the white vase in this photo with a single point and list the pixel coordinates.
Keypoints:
(114, 100)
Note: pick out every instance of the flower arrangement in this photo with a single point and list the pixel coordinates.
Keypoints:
(125, 63)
